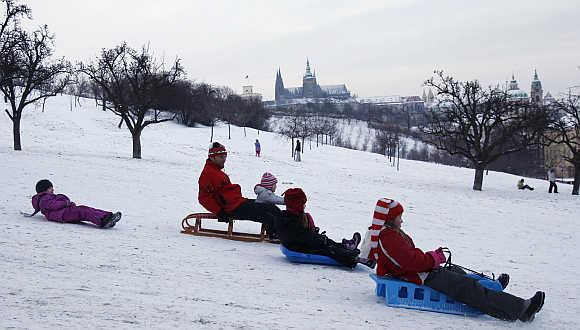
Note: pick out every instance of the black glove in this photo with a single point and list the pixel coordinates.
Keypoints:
(223, 216)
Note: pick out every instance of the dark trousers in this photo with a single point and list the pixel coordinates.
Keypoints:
(467, 290)
(299, 239)
(258, 212)
(553, 185)
(526, 187)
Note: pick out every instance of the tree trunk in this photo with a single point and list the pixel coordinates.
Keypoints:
(229, 132)
(576, 185)
(292, 147)
(136, 144)
(211, 137)
(16, 132)
(244, 131)
(478, 180)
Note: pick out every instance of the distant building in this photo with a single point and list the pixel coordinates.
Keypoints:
(247, 93)
(309, 90)
(536, 92)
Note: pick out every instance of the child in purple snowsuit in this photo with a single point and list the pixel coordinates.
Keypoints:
(57, 207)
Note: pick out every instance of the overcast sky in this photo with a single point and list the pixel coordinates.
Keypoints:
(376, 48)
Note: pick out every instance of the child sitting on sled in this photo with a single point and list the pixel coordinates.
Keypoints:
(398, 257)
(297, 232)
(59, 208)
(266, 189)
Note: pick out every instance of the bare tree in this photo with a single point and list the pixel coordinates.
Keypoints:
(565, 129)
(291, 127)
(29, 75)
(480, 124)
(130, 80)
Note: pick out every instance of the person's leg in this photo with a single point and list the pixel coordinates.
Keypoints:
(555, 187)
(314, 243)
(467, 290)
(258, 212)
(551, 187)
(84, 213)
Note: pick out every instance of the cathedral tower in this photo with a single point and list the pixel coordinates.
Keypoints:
(309, 85)
(536, 94)
(279, 91)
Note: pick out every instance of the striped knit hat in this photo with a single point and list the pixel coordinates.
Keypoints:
(268, 180)
(215, 149)
(385, 210)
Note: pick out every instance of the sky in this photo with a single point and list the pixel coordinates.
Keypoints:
(376, 48)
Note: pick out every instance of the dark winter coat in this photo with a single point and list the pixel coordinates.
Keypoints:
(216, 191)
(298, 148)
(398, 257)
(51, 206)
(294, 234)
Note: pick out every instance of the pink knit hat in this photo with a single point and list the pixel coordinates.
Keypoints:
(268, 181)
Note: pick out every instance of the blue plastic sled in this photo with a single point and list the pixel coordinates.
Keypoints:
(403, 294)
(305, 258)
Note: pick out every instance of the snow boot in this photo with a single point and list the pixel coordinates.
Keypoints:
(111, 220)
(503, 279)
(353, 243)
(532, 306)
(370, 263)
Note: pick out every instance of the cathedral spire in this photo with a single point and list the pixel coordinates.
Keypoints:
(536, 75)
(308, 73)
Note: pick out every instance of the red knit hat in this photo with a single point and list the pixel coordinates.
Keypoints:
(386, 210)
(295, 200)
(268, 180)
(215, 149)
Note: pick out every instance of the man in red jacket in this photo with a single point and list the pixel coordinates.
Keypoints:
(223, 198)
(398, 257)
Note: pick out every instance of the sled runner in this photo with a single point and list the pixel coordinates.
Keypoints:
(197, 229)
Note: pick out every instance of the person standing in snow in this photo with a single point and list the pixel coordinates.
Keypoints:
(258, 148)
(523, 186)
(297, 151)
(398, 257)
(298, 233)
(59, 208)
(265, 190)
(224, 199)
(552, 179)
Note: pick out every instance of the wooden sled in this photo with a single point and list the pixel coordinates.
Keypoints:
(197, 230)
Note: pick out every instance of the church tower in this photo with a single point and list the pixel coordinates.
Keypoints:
(309, 85)
(537, 94)
(279, 91)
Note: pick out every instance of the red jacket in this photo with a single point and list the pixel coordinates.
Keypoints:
(398, 257)
(216, 191)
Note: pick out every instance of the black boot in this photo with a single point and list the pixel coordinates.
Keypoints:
(503, 279)
(532, 306)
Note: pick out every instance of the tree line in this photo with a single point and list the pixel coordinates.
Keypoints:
(131, 83)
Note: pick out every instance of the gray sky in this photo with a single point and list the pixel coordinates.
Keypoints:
(374, 47)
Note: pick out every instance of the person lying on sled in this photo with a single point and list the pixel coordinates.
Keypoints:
(398, 257)
(298, 233)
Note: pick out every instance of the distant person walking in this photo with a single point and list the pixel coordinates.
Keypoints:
(258, 147)
(297, 151)
(552, 179)
(523, 186)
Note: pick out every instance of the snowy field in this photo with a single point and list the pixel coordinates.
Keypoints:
(145, 274)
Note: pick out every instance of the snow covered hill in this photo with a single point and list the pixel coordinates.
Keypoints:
(144, 273)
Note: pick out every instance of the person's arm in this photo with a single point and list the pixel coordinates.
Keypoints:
(407, 257)
(53, 204)
(206, 196)
(272, 198)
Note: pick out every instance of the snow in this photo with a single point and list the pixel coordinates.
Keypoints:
(144, 273)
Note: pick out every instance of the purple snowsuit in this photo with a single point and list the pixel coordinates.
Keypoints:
(59, 208)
